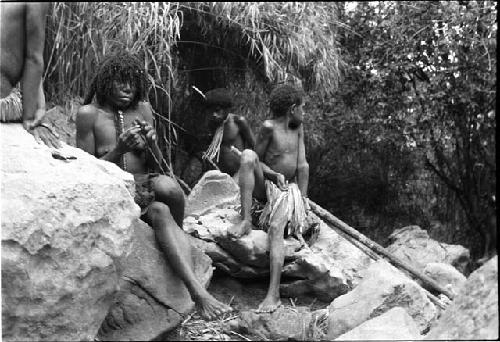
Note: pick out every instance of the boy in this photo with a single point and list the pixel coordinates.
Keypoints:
(279, 160)
(231, 132)
(119, 128)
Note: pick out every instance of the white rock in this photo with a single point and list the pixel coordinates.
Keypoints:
(382, 288)
(473, 314)
(412, 244)
(445, 275)
(213, 189)
(394, 324)
(63, 225)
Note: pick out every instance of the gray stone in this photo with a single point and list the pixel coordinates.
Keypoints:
(329, 268)
(283, 324)
(213, 189)
(445, 275)
(412, 244)
(394, 324)
(382, 288)
(473, 314)
(152, 297)
(64, 224)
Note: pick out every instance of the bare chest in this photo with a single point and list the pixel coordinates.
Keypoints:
(107, 126)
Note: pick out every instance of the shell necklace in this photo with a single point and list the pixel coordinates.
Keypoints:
(119, 130)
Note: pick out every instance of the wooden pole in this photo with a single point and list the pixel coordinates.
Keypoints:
(327, 216)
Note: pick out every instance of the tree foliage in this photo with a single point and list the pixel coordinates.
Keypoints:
(420, 82)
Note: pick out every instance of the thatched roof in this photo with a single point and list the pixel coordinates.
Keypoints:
(286, 39)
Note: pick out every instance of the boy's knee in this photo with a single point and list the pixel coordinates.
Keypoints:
(158, 209)
(248, 157)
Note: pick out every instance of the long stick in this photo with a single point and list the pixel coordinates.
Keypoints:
(327, 216)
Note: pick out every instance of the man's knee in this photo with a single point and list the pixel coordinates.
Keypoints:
(248, 158)
(168, 190)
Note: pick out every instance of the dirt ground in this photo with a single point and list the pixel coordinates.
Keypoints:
(242, 295)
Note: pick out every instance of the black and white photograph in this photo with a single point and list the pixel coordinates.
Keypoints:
(248, 171)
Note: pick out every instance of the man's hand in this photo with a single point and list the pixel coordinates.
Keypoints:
(129, 140)
(148, 130)
(43, 133)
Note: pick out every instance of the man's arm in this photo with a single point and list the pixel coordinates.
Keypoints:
(33, 63)
(245, 132)
(302, 165)
(85, 138)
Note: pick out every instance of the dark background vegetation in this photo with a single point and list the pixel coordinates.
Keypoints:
(401, 96)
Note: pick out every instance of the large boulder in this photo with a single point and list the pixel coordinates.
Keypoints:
(327, 268)
(64, 224)
(413, 244)
(394, 324)
(383, 287)
(473, 314)
(152, 297)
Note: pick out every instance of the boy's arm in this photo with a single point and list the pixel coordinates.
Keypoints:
(302, 165)
(263, 141)
(246, 132)
(33, 62)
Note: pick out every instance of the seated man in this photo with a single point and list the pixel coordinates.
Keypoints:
(280, 149)
(118, 128)
(22, 28)
(231, 132)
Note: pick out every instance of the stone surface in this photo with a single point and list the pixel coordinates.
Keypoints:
(394, 324)
(64, 224)
(473, 314)
(213, 189)
(286, 323)
(328, 268)
(412, 244)
(152, 296)
(445, 275)
(382, 288)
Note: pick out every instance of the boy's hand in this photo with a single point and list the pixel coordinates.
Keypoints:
(281, 182)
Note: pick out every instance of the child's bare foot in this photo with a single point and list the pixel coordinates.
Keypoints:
(269, 304)
(209, 307)
(240, 229)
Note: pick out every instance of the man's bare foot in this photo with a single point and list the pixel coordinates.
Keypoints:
(269, 304)
(209, 307)
(240, 229)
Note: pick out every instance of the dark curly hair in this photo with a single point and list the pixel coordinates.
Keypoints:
(219, 97)
(283, 97)
(123, 67)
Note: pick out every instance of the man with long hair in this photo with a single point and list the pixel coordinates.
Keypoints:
(118, 127)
